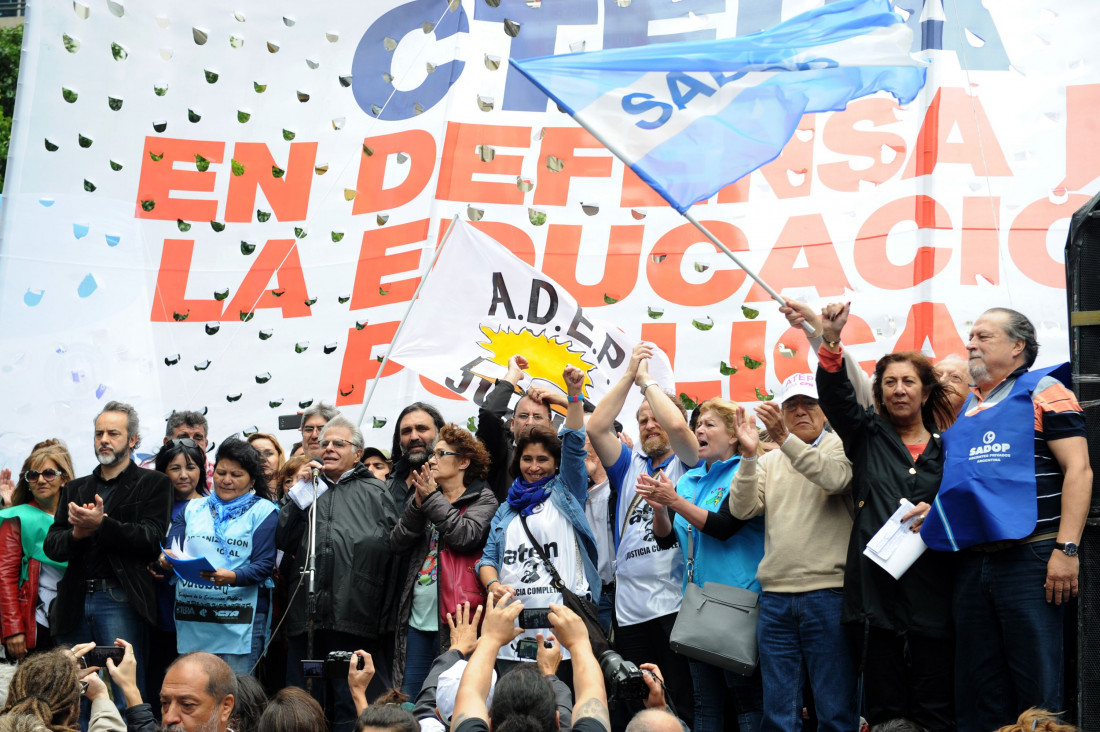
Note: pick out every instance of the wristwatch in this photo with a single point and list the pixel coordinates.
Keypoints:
(1070, 548)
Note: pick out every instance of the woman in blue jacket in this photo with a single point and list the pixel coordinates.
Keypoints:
(725, 550)
(548, 494)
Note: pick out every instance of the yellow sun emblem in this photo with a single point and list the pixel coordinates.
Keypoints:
(546, 357)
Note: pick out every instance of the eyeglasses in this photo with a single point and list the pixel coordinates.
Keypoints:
(184, 442)
(338, 444)
(531, 417)
(440, 454)
(49, 474)
(311, 429)
(795, 402)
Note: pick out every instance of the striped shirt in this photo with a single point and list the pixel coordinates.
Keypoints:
(1057, 416)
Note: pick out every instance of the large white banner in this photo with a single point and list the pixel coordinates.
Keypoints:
(228, 207)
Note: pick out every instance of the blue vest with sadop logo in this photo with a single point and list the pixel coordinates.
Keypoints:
(988, 488)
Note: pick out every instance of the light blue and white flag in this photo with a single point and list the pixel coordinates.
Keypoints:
(690, 118)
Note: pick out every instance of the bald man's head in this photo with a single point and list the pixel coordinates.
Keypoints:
(655, 720)
(198, 693)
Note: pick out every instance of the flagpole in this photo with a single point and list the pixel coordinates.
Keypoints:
(404, 319)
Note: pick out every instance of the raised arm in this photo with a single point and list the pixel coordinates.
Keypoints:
(590, 695)
(497, 629)
(668, 415)
(601, 423)
(799, 312)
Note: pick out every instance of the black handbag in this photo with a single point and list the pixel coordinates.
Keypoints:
(582, 606)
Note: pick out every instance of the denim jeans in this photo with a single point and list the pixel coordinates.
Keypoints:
(242, 663)
(1009, 652)
(421, 648)
(107, 615)
(711, 687)
(800, 637)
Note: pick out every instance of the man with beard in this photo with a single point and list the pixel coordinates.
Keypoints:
(416, 430)
(1015, 492)
(499, 438)
(649, 580)
(108, 527)
(357, 574)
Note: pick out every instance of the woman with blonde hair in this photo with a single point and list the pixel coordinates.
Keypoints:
(723, 549)
(28, 578)
(273, 458)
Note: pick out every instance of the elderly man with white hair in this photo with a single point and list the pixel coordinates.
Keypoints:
(357, 574)
(803, 491)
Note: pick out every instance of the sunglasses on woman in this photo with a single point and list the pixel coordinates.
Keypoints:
(48, 474)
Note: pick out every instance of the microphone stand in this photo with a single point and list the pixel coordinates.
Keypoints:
(311, 570)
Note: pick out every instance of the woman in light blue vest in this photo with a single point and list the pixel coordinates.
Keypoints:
(226, 613)
(724, 549)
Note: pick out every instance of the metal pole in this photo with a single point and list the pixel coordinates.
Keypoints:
(404, 319)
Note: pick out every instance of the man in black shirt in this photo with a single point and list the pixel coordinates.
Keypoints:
(109, 525)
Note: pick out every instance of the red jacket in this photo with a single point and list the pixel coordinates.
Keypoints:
(17, 604)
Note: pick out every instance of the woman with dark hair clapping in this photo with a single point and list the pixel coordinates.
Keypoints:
(226, 613)
(445, 524)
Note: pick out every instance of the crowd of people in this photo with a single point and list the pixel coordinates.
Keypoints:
(533, 578)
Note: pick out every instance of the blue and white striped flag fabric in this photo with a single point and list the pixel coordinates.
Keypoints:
(689, 118)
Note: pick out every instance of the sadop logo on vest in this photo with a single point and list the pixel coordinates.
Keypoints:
(991, 450)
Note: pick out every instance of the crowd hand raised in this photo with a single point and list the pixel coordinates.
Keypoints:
(657, 489)
(125, 673)
(359, 679)
(499, 626)
(918, 513)
(80, 649)
(568, 627)
(464, 628)
(7, 486)
(833, 318)
(548, 656)
(516, 366)
(637, 368)
(96, 688)
(798, 312)
(744, 427)
(772, 417)
(654, 681)
(574, 379)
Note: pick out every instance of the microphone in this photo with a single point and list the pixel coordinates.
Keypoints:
(316, 473)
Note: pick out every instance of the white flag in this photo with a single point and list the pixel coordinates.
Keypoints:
(481, 305)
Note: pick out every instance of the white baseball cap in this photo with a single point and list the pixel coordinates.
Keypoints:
(799, 384)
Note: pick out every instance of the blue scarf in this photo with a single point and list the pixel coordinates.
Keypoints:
(524, 496)
(224, 512)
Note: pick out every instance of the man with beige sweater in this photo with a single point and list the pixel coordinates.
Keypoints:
(803, 490)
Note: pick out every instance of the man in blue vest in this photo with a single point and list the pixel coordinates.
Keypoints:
(1013, 501)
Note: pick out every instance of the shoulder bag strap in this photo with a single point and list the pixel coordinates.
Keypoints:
(691, 554)
(633, 504)
(554, 576)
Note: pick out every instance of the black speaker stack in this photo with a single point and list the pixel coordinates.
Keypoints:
(1083, 298)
